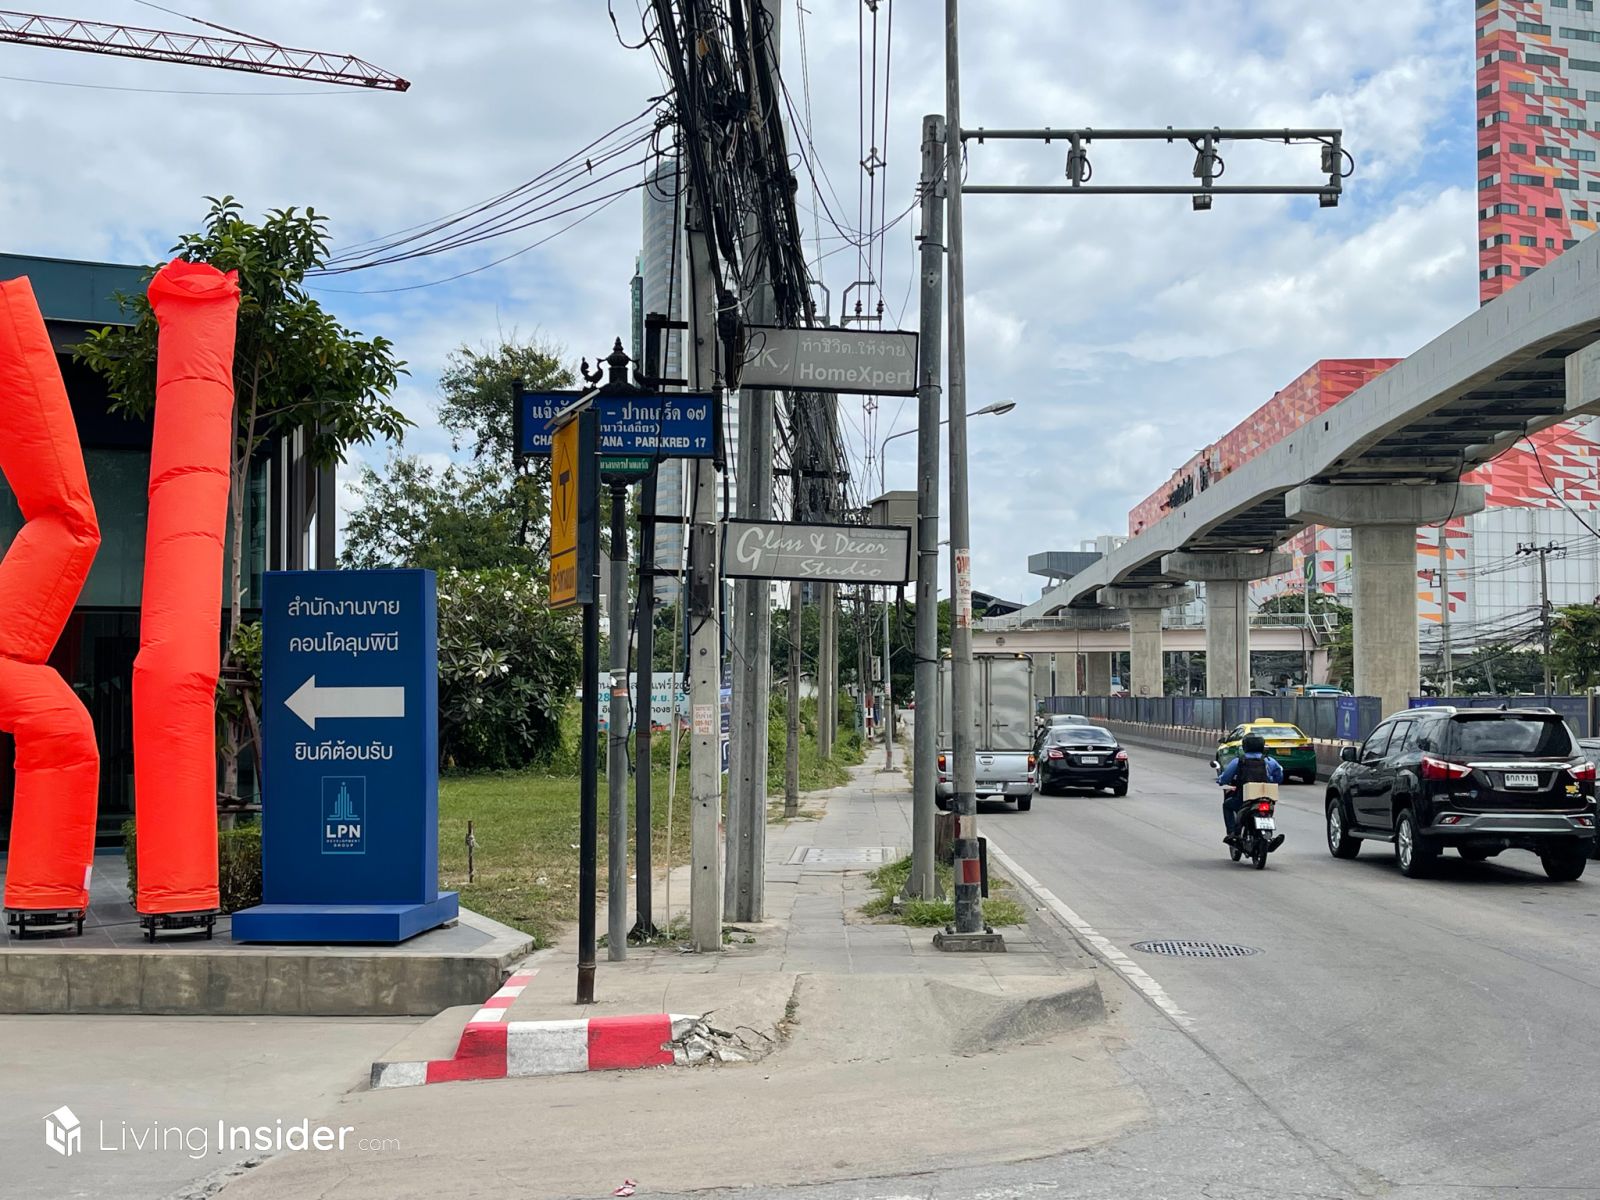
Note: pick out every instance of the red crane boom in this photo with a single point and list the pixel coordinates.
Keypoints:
(229, 54)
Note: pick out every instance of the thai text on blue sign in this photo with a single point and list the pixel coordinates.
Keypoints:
(679, 425)
(350, 738)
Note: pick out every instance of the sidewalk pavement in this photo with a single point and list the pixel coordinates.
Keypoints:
(817, 869)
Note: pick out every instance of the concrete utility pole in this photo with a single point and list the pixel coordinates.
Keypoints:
(923, 883)
(746, 832)
(827, 669)
(791, 758)
(968, 932)
(705, 630)
(1545, 612)
(617, 738)
(1446, 651)
(887, 691)
(644, 927)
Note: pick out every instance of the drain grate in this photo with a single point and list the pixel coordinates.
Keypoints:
(842, 856)
(1180, 949)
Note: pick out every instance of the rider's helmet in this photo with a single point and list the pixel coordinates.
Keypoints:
(1253, 743)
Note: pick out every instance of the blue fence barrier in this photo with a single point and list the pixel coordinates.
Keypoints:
(1328, 718)
(1578, 710)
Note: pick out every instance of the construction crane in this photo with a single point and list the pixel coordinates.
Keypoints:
(230, 54)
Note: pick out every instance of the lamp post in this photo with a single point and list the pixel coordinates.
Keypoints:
(998, 409)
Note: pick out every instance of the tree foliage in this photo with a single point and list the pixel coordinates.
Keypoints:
(507, 668)
(491, 513)
(415, 516)
(1575, 646)
(1500, 670)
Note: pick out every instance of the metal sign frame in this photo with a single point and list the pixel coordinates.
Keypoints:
(894, 574)
(772, 363)
(609, 406)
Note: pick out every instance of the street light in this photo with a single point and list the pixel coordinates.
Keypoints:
(998, 409)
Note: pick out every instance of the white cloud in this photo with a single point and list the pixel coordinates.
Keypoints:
(1130, 330)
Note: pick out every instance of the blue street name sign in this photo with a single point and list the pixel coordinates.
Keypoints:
(675, 425)
(350, 749)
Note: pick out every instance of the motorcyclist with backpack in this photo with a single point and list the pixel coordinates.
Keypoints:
(1253, 765)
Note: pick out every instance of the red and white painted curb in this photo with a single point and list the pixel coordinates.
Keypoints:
(493, 1048)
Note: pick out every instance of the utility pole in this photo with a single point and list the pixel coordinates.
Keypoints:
(617, 739)
(749, 753)
(791, 758)
(1446, 650)
(702, 597)
(968, 931)
(827, 669)
(923, 882)
(644, 927)
(1545, 613)
(887, 704)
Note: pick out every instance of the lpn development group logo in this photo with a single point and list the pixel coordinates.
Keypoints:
(344, 814)
(63, 1132)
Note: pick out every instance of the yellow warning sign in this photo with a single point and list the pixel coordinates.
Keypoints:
(564, 517)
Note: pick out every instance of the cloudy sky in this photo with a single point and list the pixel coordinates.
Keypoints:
(1130, 331)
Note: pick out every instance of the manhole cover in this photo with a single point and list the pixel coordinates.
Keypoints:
(845, 856)
(1180, 949)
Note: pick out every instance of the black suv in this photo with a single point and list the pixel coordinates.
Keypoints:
(1481, 780)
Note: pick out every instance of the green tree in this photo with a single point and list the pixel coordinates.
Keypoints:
(475, 405)
(1501, 670)
(412, 515)
(1575, 646)
(294, 366)
(507, 668)
(1325, 611)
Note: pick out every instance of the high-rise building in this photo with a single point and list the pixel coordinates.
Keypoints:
(1538, 134)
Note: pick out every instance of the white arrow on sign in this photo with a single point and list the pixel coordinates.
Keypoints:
(311, 702)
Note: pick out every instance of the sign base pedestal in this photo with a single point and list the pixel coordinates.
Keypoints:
(383, 923)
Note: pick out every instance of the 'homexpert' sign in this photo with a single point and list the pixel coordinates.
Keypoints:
(868, 362)
(350, 747)
(853, 553)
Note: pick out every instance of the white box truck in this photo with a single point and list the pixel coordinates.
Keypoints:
(1002, 730)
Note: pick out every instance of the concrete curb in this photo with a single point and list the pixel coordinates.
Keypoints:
(493, 1048)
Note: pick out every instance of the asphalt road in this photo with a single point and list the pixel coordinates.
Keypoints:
(1442, 1031)
(1424, 1039)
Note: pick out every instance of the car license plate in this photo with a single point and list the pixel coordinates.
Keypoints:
(1522, 781)
(1089, 760)
(1267, 823)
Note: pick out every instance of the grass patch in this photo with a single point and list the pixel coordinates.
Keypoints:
(526, 826)
(890, 879)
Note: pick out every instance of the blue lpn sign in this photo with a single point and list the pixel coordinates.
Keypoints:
(350, 775)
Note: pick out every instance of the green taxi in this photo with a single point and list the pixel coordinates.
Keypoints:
(1285, 742)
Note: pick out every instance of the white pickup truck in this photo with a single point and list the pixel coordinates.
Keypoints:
(1002, 730)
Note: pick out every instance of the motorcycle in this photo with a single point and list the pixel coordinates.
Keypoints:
(1256, 827)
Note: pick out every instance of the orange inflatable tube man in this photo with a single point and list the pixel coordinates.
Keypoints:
(180, 627)
(58, 763)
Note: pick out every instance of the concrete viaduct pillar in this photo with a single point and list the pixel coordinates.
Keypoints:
(1097, 673)
(1383, 521)
(1227, 578)
(1144, 605)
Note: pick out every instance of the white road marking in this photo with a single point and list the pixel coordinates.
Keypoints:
(1115, 958)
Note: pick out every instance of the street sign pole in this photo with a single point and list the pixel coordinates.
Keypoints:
(584, 507)
(617, 739)
(645, 609)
